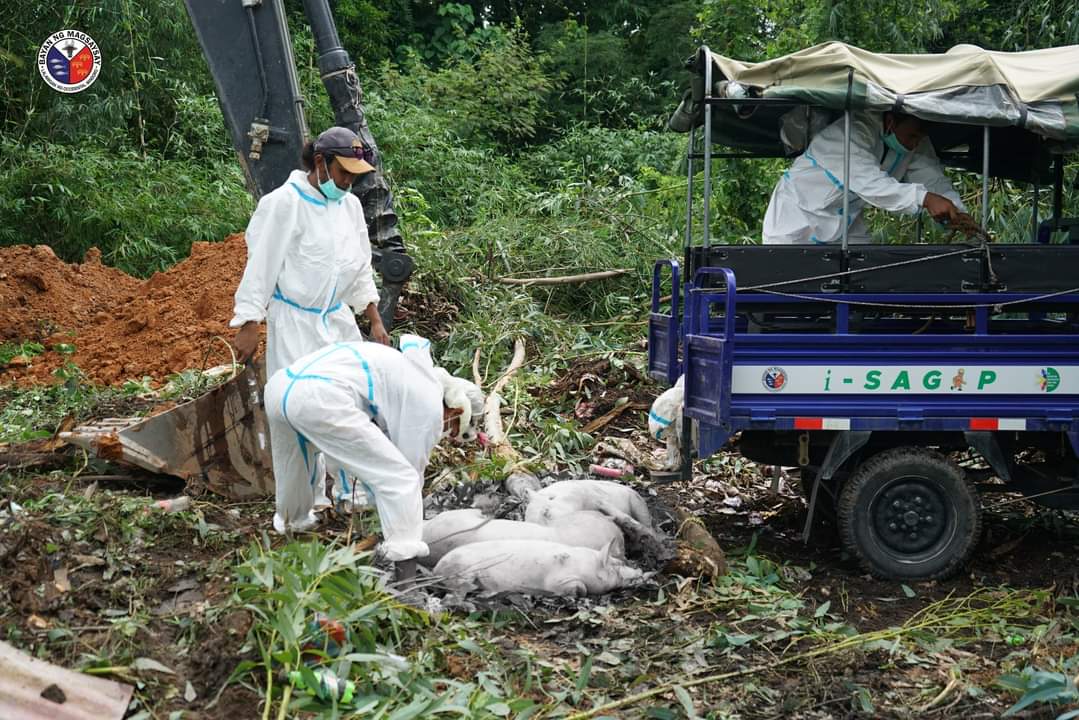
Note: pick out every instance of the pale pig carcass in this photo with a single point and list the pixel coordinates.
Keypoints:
(559, 499)
(535, 567)
(665, 422)
(454, 528)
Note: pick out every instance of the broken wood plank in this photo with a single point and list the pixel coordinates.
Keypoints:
(32, 689)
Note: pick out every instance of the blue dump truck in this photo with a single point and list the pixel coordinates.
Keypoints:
(904, 379)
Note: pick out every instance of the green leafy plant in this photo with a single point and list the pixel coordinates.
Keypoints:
(1044, 687)
(25, 350)
(385, 653)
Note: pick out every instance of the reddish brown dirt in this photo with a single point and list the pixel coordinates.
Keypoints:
(122, 328)
(41, 294)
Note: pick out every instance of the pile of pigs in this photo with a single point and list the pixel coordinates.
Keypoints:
(573, 538)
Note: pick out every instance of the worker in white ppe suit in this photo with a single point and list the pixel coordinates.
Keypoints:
(309, 259)
(376, 413)
(892, 167)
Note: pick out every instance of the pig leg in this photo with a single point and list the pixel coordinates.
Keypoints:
(573, 588)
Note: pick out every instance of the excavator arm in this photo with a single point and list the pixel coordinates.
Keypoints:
(248, 50)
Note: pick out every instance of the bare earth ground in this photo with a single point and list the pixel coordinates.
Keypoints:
(143, 584)
(96, 580)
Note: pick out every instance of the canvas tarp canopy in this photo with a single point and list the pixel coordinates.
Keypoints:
(1033, 94)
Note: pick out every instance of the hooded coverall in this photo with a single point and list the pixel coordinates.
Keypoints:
(308, 268)
(376, 413)
(807, 203)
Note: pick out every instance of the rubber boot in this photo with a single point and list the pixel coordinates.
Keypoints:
(404, 572)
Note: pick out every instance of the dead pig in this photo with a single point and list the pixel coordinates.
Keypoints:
(452, 529)
(535, 567)
(560, 499)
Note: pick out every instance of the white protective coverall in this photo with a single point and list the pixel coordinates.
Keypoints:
(308, 269)
(807, 203)
(376, 413)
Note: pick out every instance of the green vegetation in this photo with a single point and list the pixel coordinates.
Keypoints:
(522, 140)
(286, 588)
(203, 597)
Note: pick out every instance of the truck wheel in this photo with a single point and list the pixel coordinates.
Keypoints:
(909, 513)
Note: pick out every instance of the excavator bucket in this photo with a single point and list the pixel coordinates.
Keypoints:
(219, 439)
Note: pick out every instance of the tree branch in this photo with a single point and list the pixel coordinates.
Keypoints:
(563, 280)
(492, 409)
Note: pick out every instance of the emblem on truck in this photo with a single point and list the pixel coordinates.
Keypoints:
(69, 61)
(1049, 379)
(774, 379)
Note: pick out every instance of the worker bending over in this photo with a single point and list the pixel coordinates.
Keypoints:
(892, 167)
(376, 413)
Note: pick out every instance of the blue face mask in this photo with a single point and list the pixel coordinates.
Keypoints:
(893, 143)
(329, 187)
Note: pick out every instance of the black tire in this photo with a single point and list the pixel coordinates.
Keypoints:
(909, 514)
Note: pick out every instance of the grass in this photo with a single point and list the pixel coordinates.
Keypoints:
(683, 648)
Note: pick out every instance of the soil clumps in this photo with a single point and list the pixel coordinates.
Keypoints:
(41, 295)
(121, 328)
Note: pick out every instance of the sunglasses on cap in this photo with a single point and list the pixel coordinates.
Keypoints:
(360, 152)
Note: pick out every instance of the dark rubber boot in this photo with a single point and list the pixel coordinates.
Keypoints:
(404, 571)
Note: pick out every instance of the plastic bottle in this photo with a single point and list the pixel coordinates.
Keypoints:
(173, 505)
(329, 635)
(612, 468)
(330, 687)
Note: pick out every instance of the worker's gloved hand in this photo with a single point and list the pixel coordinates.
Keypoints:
(967, 225)
(378, 332)
(246, 341)
(941, 208)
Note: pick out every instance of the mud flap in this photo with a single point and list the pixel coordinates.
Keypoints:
(844, 445)
(708, 379)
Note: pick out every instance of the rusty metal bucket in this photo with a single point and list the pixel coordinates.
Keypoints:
(219, 439)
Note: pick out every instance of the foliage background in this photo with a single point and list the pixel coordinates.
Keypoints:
(521, 138)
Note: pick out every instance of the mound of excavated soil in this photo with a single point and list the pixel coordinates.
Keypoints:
(41, 294)
(122, 328)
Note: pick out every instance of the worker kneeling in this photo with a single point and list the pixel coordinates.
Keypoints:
(376, 413)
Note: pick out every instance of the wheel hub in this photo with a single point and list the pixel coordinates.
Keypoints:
(909, 515)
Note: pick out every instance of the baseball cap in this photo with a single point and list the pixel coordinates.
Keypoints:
(347, 147)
